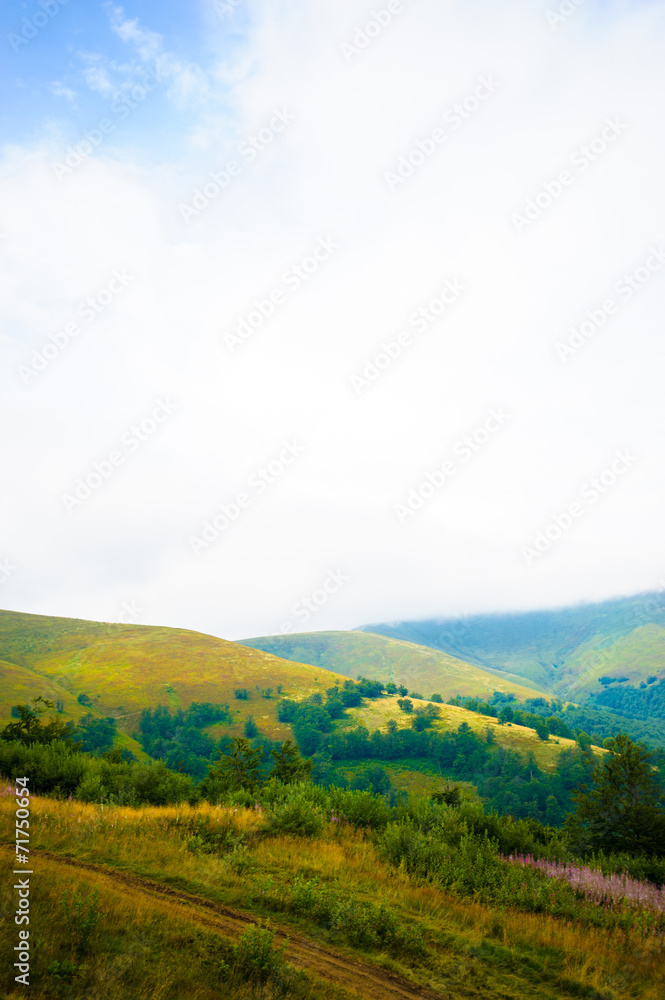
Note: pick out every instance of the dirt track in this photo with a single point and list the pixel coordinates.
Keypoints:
(366, 980)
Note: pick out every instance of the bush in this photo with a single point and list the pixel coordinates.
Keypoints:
(242, 694)
(296, 817)
(256, 961)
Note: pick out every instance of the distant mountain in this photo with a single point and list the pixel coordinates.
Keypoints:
(576, 653)
(391, 659)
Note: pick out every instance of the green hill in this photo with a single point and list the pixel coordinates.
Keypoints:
(380, 658)
(123, 669)
(565, 651)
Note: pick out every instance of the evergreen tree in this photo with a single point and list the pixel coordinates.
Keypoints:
(624, 810)
(239, 768)
(289, 765)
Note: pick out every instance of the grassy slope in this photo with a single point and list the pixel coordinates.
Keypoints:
(154, 945)
(376, 714)
(377, 657)
(125, 668)
(561, 650)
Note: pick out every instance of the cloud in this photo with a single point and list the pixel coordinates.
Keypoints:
(248, 260)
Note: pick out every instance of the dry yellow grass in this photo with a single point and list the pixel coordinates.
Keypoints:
(151, 842)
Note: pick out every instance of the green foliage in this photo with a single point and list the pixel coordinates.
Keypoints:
(255, 960)
(370, 689)
(250, 728)
(57, 769)
(177, 737)
(235, 770)
(95, 734)
(437, 699)
(30, 729)
(242, 694)
(84, 699)
(363, 925)
(405, 704)
(624, 810)
(81, 919)
(296, 817)
(289, 766)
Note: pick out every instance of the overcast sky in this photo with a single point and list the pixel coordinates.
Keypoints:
(320, 312)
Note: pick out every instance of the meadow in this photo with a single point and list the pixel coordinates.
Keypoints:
(149, 902)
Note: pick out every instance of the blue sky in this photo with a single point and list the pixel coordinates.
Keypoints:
(345, 294)
(67, 76)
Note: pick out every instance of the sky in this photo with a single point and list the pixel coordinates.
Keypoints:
(318, 314)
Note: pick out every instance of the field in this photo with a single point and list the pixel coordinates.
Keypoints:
(166, 914)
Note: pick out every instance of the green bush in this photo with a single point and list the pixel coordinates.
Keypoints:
(297, 818)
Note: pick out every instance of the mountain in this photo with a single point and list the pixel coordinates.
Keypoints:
(574, 653)
(122, 669)
(392, 659)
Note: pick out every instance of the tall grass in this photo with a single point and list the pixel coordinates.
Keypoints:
(324, 885)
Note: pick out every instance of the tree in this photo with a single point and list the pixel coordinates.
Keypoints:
(239, 768)
(624, 810)
(289, 765)
(251, 729)
(30, 729)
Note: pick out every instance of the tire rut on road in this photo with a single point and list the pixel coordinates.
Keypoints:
(372, 982)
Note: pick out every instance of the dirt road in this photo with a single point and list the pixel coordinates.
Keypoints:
(367, 981)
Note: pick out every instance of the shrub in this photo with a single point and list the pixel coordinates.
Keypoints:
(250, 728)
(242, 694)
(256, 961)
(296, 817)
(81, 919)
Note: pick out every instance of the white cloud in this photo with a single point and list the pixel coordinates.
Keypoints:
(324, 175)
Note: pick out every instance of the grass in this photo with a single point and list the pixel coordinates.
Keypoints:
(376, 713)
(150, 946)
(126, 668)
(416, 667)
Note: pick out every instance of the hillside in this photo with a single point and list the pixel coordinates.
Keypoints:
(126, 668)
(565, 651)
(380, 658)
